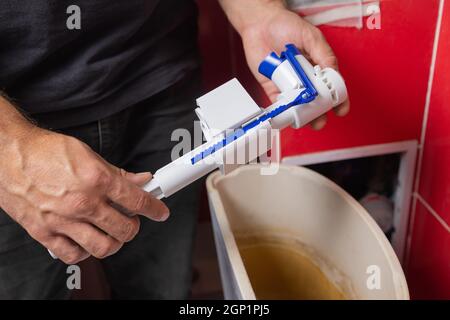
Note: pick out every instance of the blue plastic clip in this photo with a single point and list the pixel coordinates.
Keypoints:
(269, 64)
(272, 61)
(290, 54)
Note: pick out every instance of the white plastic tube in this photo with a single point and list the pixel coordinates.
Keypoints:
(182, 172)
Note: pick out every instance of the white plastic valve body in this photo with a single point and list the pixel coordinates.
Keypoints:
(328, 82)
(230, 107)
(331, 93)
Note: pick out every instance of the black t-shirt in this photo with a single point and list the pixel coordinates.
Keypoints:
(125, 52)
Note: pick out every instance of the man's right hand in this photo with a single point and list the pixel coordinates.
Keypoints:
(66, 196)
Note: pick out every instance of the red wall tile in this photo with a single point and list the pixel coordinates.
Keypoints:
(428, 270)
(435, 174)
(386, 72)
(429, 265)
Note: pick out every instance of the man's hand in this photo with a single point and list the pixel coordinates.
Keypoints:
(65, 195)
(266, 26)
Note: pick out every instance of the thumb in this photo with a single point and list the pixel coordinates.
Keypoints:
(139, 179)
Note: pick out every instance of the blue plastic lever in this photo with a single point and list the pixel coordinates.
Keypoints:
(266, 68)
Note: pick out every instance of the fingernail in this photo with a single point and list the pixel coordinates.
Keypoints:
(164, 215)
(342, 112)
(143, 174)
(319, 124)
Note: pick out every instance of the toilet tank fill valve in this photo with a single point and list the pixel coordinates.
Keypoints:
(230, 119)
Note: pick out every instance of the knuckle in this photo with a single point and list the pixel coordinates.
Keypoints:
(81, 202)
(115, 190)
(72, 258)
(130, 229)
(98, 178)
(141, 201)
(67, 252)
(103, 250)
(102, 219)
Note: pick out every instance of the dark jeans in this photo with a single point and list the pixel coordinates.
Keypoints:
(157, 263)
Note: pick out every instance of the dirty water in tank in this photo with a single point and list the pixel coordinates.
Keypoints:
(281, 267)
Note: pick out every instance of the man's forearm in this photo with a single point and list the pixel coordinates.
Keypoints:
(243, 14)
(13, 125)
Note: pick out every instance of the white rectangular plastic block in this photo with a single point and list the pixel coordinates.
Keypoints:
(227, 107)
